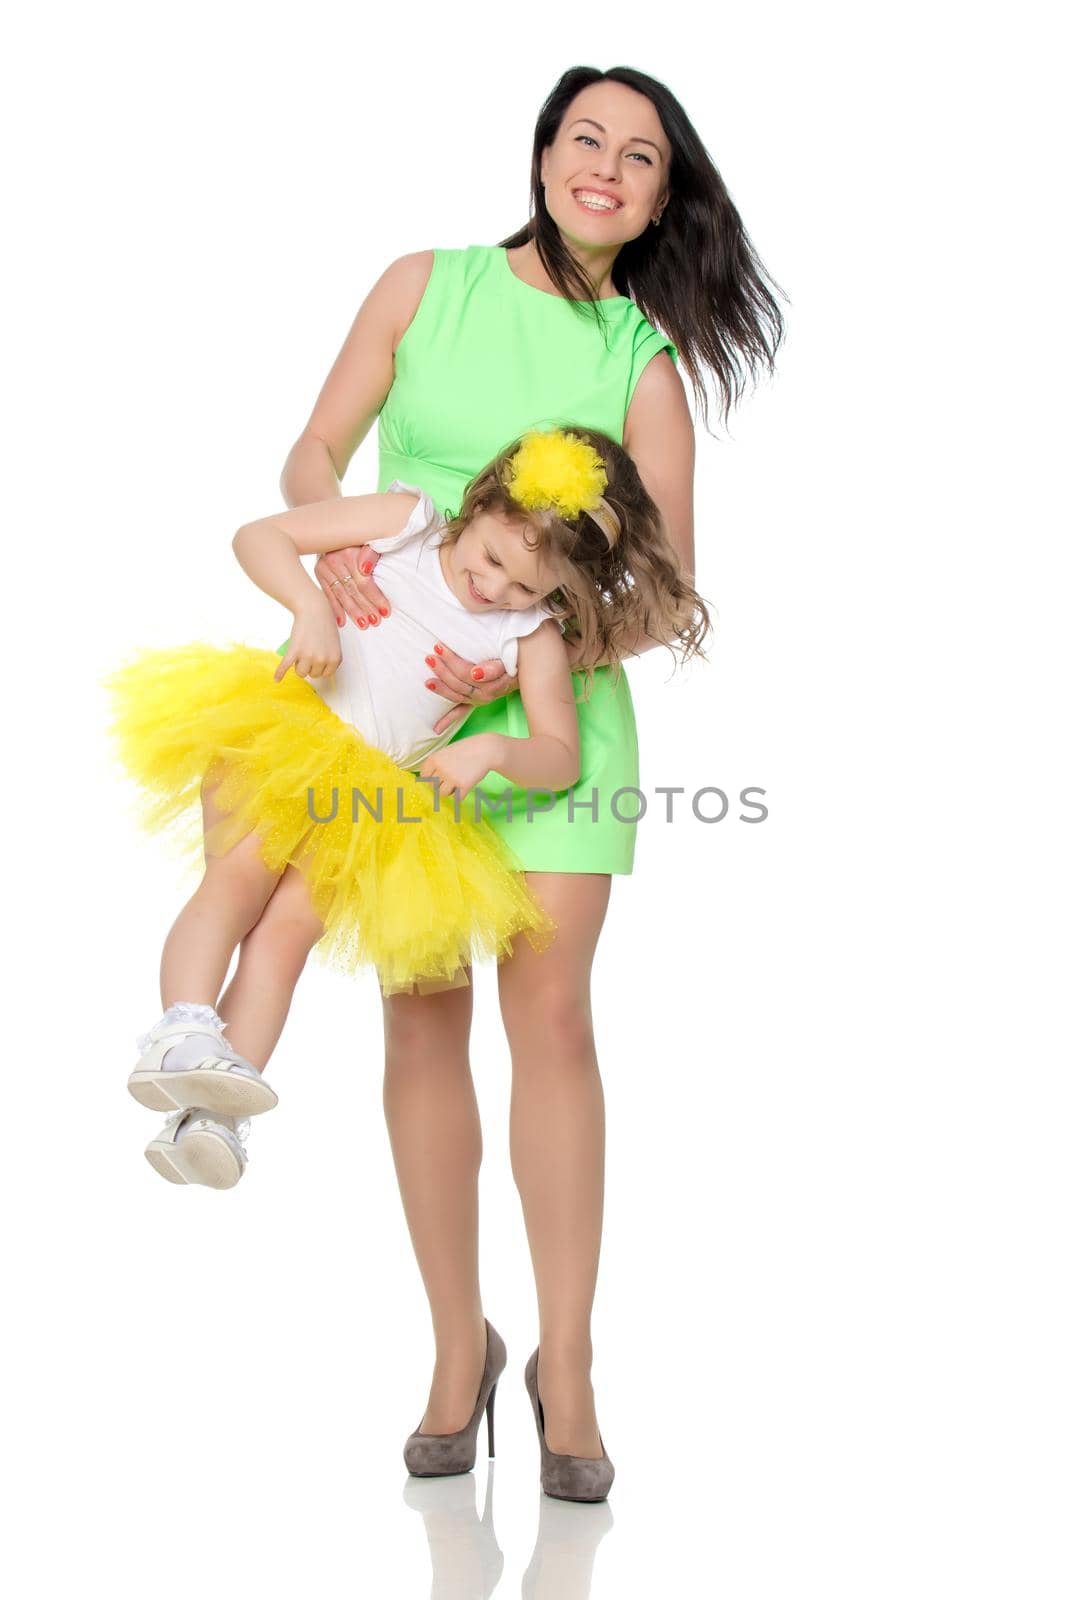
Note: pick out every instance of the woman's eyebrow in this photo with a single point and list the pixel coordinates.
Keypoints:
(632, 140)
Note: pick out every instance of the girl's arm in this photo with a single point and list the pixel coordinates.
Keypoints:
(269, 549)
(550, 758)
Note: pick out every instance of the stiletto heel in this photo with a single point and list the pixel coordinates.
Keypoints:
(567, 1477)
(490, 1406)
(438, 1455)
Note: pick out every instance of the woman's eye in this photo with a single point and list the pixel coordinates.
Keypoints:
(638, 153)
(492, 560)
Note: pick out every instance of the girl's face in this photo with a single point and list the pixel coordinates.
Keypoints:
(605, 173)
(490, 566)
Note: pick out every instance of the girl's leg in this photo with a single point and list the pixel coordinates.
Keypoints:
(200, 945)
(272, 957)
(436, 1138)
(557, 1142)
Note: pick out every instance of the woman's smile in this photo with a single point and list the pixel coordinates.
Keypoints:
(597, 201)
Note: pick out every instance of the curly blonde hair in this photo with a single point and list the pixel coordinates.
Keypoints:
(618, 569)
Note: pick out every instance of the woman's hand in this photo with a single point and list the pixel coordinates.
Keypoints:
(459, 767)
(314, 643)
(344, 576)
(467, 683)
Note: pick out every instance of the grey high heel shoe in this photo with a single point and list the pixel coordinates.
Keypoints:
(567, 1477)
(436, 1455)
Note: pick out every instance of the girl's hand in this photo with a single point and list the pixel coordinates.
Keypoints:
(467, 684)
(343, 575)
(460, 766)
(314, 643)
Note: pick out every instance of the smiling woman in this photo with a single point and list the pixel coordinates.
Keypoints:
(634, 262)
(590, 196)
(624, 136)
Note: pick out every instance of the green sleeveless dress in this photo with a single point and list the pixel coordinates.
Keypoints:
(486, 357)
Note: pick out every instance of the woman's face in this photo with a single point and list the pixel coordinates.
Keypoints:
(605, 173)
(490, 566)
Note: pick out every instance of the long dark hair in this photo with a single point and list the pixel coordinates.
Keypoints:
(696, 276)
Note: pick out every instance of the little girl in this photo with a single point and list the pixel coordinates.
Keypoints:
(307, 789)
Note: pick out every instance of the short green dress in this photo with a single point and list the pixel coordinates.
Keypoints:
(486, 357)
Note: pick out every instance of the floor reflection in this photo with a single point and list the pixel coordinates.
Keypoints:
(561, 1563)
(467, 1560)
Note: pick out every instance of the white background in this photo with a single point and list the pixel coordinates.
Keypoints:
(829, 1327)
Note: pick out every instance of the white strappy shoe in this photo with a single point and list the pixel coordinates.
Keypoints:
(214, 1078)
(198, 1146)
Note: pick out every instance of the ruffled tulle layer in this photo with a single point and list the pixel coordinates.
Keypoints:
(414, 899)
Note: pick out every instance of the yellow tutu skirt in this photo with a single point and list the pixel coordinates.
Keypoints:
(417, 900)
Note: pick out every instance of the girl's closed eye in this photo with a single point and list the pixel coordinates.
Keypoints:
(524, 586)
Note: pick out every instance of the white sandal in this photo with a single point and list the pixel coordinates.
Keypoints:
(216, 1082)
(195, 1147)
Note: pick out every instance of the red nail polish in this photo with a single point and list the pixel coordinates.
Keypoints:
(476, 672)
(374, 619)
(440, 649)
(384, 610)
(430, 684)
(361, 622)
(429, 660)
(365, 567)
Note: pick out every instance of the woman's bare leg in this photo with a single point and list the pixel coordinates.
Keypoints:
(557, 1142)
(271, 959)
(432, 1116)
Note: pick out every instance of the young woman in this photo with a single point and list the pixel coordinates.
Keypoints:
(631, 222)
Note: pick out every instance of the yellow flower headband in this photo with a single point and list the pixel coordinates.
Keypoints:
(557, 471)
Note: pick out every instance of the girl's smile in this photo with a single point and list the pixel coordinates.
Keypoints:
(491, 565)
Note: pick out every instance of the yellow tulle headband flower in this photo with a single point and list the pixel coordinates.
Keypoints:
(555, 471)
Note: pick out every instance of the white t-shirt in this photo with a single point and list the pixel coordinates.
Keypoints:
(380, 686)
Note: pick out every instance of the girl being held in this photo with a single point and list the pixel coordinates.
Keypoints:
(305, 779)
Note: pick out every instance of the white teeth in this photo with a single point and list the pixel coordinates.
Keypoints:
(597, 202)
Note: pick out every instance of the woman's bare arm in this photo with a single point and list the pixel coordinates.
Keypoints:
(659, 435)
(354, 392)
